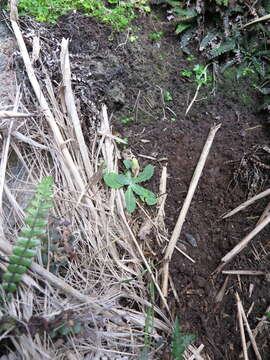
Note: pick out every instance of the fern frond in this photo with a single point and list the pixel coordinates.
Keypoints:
(185, 38)
(259, 66)
(207, 40)
(37, 220)
(226, 46)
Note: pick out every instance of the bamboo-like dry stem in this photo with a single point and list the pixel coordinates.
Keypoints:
(241, 327)
(243, 272)
(266, 212)
(71, 107)
(247, 203)
(184, 210)
(258, 327)
(251, 336)
(262, 18)
(14, 114)
(240, 246)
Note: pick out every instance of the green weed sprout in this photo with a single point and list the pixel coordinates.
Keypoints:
(180, 341)
(200, 74)
(167, 96)
(156, 35)
(24, 250)
(117, 181)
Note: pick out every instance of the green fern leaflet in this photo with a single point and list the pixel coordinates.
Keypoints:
(36, 221)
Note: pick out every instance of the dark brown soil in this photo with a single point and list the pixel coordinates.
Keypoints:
(130, 77)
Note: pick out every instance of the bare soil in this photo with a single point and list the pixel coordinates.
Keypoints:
(131, 77)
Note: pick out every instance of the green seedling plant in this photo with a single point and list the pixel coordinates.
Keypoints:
(127, 120)
(24, 250)
(130, 179)
(156, 35)
(199, 73)
(180, 341)
(167, 96)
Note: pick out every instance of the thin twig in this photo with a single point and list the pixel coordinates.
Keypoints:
(184, 210)
(193, 100)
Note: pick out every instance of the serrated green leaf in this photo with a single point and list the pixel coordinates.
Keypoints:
(207, 40)
(259, 66)
(77, 328)
(23, 241)
(9, 277)
(18, 269)
(124, 180)
(9, 287)
(130, 200)
(21, 251)
(36, 222)
(145, 175)
(181, 27)
(226, 46)
(18, 260)
(139, 190)
(64, 330)
(37, 213)
(189, 14)
(32, 232)
(151, 198)
(110, 180)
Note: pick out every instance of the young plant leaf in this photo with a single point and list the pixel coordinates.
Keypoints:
(180, 341)
(128, 164)
(130, 200)
(124, 179)
(139, 190)
(145, 175)
(110, 180)
(151, 198)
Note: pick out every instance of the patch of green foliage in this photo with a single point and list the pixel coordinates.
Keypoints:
(115, 13)
(127, 120)
(156, 35)
(199, 73)
(127, 179)
(225, 33)
(180, 341)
